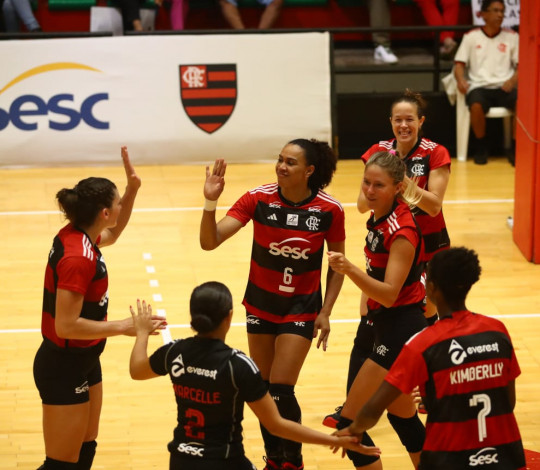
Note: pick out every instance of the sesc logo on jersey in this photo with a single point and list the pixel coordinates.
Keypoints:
(208, 94)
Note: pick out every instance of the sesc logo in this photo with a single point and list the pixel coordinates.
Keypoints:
(279, 249)
(485, 456)
(63, 114)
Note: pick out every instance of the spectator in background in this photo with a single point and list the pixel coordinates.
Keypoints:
(15, 10)
(379, 17)
(179, 11)
(268, 18)
(486, 70)
(445, 15)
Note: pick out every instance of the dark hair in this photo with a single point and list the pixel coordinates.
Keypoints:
(210, 303)
(322, 157)
(453, 272)
(487, 3)
(413, 97)
(390, 162)
(82, 204)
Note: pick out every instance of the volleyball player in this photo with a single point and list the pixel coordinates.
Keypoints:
(395, 295)
(74, 325)
(211, 382)
(466, 368)
(292, 219)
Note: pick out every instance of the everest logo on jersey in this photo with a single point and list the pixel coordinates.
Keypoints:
(208, 93)
(458, 354)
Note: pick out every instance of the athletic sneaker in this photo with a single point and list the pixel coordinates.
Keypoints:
(332, 420)
(385, 55)
(271, 464)
(290, 466)
(481, 156)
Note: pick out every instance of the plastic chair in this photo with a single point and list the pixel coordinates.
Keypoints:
(463, 124)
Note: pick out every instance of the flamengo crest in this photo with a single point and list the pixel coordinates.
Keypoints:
(208, 94)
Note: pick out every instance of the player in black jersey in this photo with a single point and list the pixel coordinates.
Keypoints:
(74, 325)
(211, 382)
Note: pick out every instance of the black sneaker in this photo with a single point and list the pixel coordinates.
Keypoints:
(332, 419)
(480, 157)
(271, 464)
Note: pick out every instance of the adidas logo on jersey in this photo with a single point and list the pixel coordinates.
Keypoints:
(272, 217)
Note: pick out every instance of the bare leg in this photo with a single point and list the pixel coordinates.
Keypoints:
(478, 120)
(270, 14)
(231, 14)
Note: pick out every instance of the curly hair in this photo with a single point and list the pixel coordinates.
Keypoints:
(322, 157)
(453, 272)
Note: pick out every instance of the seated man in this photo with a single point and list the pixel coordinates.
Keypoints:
(268, 18)
(489, 57)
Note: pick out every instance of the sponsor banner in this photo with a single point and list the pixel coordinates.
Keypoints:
(170, 99)
(511, 13)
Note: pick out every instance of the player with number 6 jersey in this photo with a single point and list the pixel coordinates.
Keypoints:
(285, 309)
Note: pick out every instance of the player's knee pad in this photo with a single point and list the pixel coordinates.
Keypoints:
(53, 464)
(86, 455)
(359, 460)
(286, 401)
(411, 431)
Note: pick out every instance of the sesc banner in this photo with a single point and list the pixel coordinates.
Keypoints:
(171, 99)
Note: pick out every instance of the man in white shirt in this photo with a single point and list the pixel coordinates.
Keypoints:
(486, 70)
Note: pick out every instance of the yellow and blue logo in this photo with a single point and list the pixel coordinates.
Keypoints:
(25, 106)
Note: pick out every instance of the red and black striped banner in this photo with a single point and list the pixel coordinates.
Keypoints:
(208, 94)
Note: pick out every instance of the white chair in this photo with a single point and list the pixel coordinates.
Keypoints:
(463, 124)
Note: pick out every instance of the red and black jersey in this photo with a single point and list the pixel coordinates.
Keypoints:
(288, 246)
(211, 382)
(381, 234)
(463, 365)
(76, 265)
(424, 157)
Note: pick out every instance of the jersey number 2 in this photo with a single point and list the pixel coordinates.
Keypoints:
(195, 420)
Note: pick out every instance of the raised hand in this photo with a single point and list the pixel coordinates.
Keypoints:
(133, 181)
(215, 180)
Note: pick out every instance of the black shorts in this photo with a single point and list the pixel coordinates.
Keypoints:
(393, 328)
(180, 462)
(64, 378)
(258, 326)
(492, 97)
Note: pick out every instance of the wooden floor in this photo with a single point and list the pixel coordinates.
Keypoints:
(161, 245)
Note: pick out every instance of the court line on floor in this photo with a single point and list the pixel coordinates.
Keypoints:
(191, 209)
(345, 320)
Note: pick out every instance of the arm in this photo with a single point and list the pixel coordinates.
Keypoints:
(511, 83)
(511, 389)
(213, 234)
(431, 199)
(110, 235)
(399, 263)
(334, 281)
(266, 410)
(139, 363)
(370, 413)
(460, 74)
(70, 325)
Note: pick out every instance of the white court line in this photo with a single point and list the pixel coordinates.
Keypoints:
(349, 320)
(190, 209)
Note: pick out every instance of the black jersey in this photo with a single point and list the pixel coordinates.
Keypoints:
(211, 382)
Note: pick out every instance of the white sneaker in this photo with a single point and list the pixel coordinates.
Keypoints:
(384, 54)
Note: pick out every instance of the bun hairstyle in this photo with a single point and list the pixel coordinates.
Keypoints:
(209, 305)
(85, 200)
(322, 157)
(413, 97)
(453, 272)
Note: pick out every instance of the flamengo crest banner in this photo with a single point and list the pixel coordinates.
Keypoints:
(242, 97)
(208, 94)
